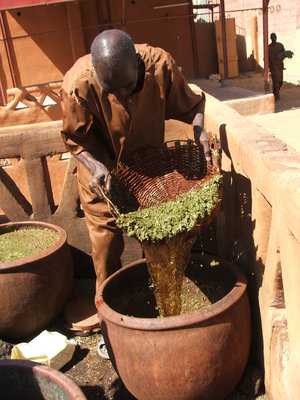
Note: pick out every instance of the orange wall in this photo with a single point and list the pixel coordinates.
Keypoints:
(45, 41)
(163, 27)
(40, 45)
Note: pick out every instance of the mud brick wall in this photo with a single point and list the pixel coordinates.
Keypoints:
(258, 227)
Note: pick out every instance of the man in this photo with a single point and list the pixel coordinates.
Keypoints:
(277, 54)
(115, 102)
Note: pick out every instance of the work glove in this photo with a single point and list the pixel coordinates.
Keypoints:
(201, 138)
(101, 181)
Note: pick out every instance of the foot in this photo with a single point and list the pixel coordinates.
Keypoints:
(102, 350)
(252, 381)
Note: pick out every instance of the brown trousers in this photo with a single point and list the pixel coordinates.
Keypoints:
(277, 79)
(107, 239)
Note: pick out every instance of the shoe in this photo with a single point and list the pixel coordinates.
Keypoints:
(81, 316)
(102, 350)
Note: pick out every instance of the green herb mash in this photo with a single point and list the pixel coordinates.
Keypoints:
(175, 216)
(25, 242)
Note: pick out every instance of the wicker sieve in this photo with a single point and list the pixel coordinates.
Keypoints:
(163, 174)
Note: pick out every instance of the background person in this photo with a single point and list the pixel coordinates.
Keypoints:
(277, 54)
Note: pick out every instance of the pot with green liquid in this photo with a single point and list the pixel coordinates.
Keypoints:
(36, 274)
(199, 354)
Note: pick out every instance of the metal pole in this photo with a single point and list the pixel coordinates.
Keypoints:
(224, 39)
(2, 95)
(108, 13)
(266, 47)
(4, 35)
(194, 41)
(123, 22)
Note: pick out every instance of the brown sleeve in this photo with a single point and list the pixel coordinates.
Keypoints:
(181, 102)
(77, 132)
(77, 121)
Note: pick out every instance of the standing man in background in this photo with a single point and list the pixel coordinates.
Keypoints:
(277, 54)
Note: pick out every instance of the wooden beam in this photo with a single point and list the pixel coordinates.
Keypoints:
(13, 202)
(33, 140)
(39, 186)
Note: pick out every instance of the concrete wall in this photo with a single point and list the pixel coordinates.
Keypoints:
(259, 228)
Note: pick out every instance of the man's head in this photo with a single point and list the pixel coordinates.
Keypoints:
(273, 37)
(115, 62)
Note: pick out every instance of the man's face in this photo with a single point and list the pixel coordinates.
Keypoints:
(120, 80)
(273, 37)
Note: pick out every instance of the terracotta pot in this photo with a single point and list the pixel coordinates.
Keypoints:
(23, 380)
(199, 355)
(34, 289)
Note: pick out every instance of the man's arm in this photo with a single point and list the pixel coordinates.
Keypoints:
(79, 138)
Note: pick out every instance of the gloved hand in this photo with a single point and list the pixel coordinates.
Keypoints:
(201, 137)
(101, 179)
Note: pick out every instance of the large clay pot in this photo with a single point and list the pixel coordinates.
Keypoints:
(23, 380)
(34, 289)
(199, 355)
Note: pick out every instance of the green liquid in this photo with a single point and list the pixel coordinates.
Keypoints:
(25, 242)
(166, 263)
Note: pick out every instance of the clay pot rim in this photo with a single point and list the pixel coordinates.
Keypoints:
(175, 322)
(37, 256)
(43, 370)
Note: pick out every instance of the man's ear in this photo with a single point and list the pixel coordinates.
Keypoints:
(138, 58)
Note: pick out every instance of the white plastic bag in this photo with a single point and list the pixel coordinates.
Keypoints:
(49, 348)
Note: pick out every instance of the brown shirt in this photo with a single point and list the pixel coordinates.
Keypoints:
(100, 123)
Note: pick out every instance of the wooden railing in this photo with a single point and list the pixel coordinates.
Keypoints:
(32, 144)
(31, 104)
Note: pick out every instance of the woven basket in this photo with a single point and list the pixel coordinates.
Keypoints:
(161, 175)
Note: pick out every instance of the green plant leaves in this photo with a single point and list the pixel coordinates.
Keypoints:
(173, 217)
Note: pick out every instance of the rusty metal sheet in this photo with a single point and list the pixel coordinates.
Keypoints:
(10, 4)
